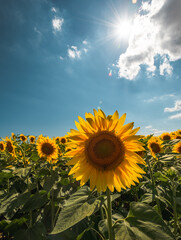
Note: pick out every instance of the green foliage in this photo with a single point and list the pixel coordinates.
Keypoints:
(39, 200)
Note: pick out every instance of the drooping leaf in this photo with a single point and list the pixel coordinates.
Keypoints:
(142, 223)
(36, 201)
(79, 206)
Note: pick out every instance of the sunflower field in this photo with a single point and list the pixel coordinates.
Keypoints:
(101, 181)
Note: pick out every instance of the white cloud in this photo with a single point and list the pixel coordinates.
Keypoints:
(176, 116)
(155, 31)
(61, 58)
(73, 52)
(165, 67)
(159, 98)
(53, 9)
(85, 42)
(149, 126)
(57, 24)
(85, 50)
(176, 108)
(150, 130)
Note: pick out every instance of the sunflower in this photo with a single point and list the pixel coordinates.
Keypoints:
(174, 135)
(165, 136)
(2, 146)
(105, 152)
(10, 147)
(13, 136)
(47, 148)
(32, 139)
(155, 146)
(178, 134)
(63, 140)
(23, 137)
(58, 139)
(179, 131)
(177, 148)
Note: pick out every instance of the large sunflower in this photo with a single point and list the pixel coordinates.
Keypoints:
(155, 146)
(47, 148)
(105, 152)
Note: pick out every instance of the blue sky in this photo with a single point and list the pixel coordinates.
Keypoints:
(60, 59)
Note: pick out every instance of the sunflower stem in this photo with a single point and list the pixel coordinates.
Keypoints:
(101, 210)
(30, 212)
(109, 215)
(154, 188)
(52, 211)
(174, 207)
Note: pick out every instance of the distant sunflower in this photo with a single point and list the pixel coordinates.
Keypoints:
(178, 134)
(105, 152)
(32, 139)
(177, 148)
(179, 131)
(58, 139)
(155, 146)
(47, 148)
(13, 136)
(63, 140)
(10, 146)
(23, 137)
(2, 146)
(173, 135)
(165, 136)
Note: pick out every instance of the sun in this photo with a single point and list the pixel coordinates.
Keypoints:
(122, 29)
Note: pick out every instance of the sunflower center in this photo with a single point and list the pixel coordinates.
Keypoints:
(105, 150)
(47, 148)
(9, 147)
(166, 137)
(1, 146)
(179, 149)
(23, 138)
(178, 137)
(63, 140)
(155, 147)
(32, 139)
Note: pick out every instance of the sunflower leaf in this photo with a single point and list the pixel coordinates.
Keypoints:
(79, 206)
(142, 223)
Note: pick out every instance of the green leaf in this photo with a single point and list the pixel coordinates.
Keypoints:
(49, 181)
(160, 177)
(36, 201)
(22, 172)
(12, 204)
(37, 232)
(102, 225)
(79, 237)
(15, 225)
(79, 206)
(142, 223)
(4, 176)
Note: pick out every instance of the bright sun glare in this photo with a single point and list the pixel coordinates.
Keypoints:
(122, 29)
